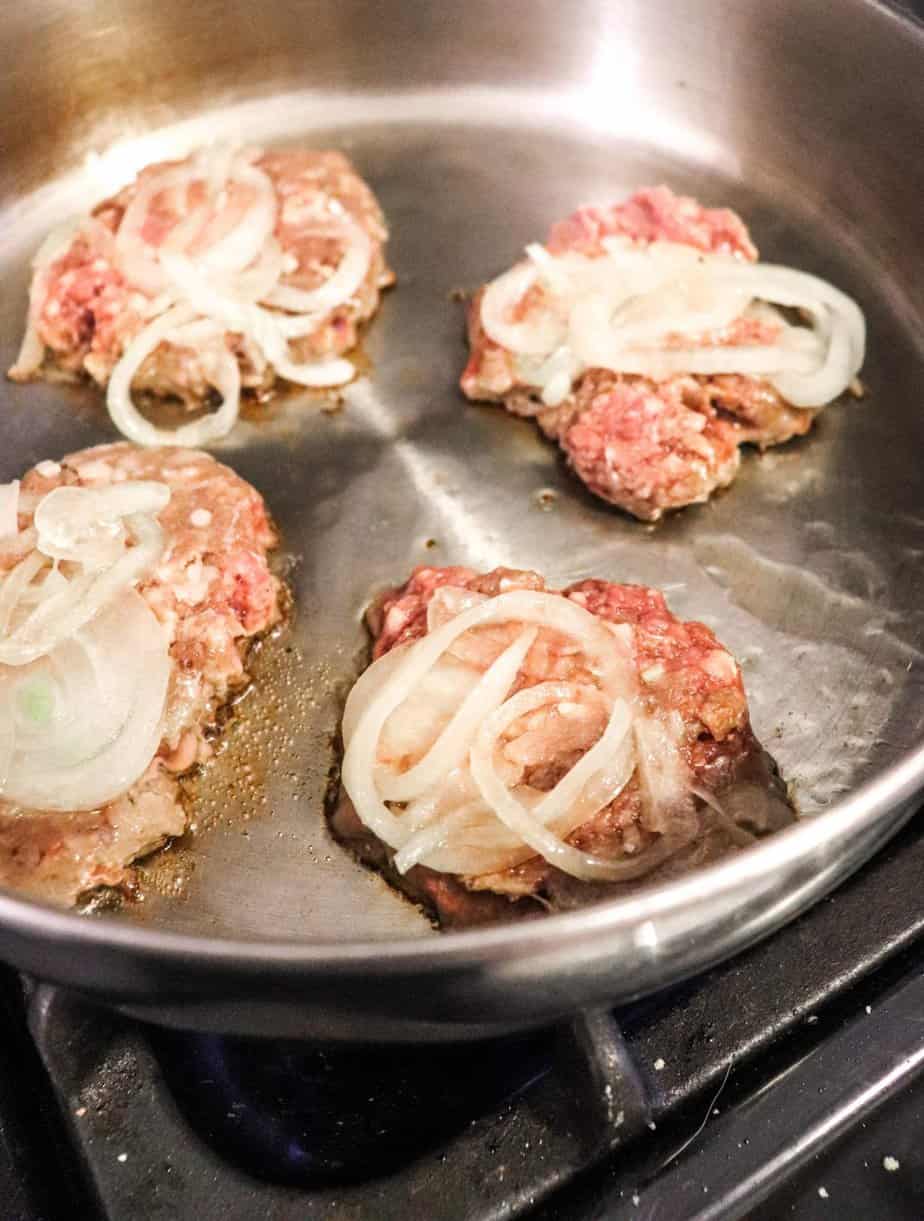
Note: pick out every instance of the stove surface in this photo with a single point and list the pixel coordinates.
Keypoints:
(780, 1084)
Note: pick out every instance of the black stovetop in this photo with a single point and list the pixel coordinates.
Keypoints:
(781, 1084)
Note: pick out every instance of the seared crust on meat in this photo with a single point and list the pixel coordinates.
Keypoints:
(681, 668)
(215, 593)
(646, 446)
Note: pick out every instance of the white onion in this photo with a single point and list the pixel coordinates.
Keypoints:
(451, 747)
(85, 525)
(624, 309)
(14, 585)
(602, 773)
(462, 816)
(664, 778)
(437, 835)
(318, 374)
(135, 257)
(68, 603)
(255, 282)
(9, 509)
(513, 814)
(266, 329)
(340, 286)
(359, 762)
(84, 663)
(79, 726)
(415, 725)
(447, 601)
(238, 249)
(128, 419)
(533, 337)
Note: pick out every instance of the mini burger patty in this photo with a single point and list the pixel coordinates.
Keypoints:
(108, 284)
(214, 593)
(680, 671)
(646, 445)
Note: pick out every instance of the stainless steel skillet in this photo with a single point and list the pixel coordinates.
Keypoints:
(477, 124)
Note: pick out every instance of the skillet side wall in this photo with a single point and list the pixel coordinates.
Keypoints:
(819, 105)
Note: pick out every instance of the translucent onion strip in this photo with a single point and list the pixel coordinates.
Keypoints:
(451, 747)
(463, 817)
(86, 525)
(129, 420)
(9, 509)
(79, 726)
(84, 663)
(34, 622)
(526, 824)
(626, 311)
(342, 284)
(663, 776)
(363, 722)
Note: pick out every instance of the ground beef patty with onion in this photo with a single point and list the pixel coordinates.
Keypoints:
(212, 592)
(227, 270)
(647, 381)
(629, 724)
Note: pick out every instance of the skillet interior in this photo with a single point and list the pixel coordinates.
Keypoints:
(475, 135)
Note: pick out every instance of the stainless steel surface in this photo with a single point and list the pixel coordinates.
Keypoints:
(477, 125)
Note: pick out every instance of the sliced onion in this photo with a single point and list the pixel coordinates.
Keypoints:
(58, 617)
(692, 303)
(14, 585)
(448, 601)
(415, 725)
(228, 279)
(366, 713)
(85, 525)
(341, 285)
(664, 778)
(263, 327)
(132, 424)
(317, 374)
(369, 683)
(623, 311)
(187, 231)
(213, 163)
(602, 772)
(79, 726)
(439, 833)
(137, 260)
(452, 745)
(9, 509)
(538, 335)
(517, 817)
(259, 279)
(467, 812)
(238, 249)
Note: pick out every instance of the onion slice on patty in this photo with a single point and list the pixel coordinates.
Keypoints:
(84, 662)
(665, 310)
(468, 806)
(83, 722)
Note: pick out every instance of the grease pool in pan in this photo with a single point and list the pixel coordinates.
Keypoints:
(804, 568)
